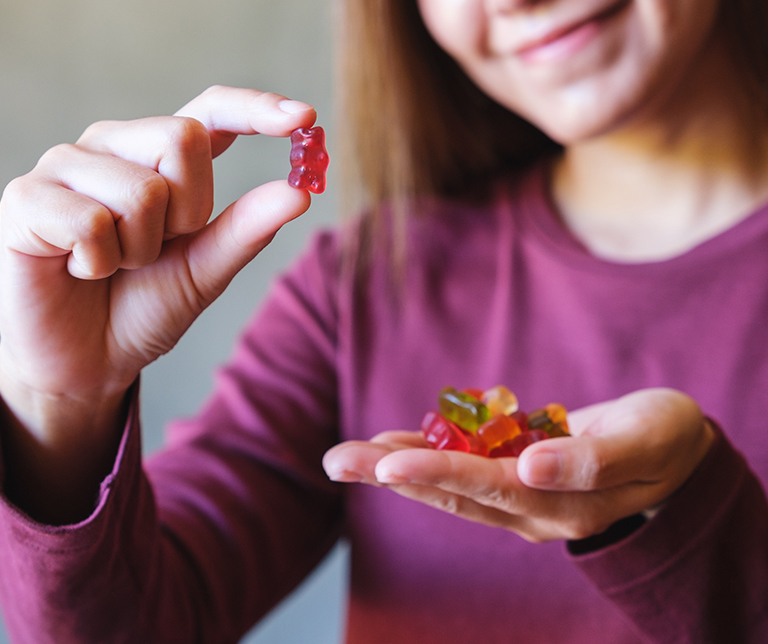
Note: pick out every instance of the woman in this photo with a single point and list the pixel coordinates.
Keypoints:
(565, 276)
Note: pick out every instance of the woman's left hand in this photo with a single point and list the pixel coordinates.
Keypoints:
(626, 455)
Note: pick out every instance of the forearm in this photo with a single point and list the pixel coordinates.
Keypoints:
(75, 582)
(114, 576)
(698, 571)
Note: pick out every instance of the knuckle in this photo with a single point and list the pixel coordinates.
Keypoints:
(448, 503)
(19, 204)
(95, 224)
(95, 131)
(496, 497)
(594, 470)
(189, 136)
(213, 89)
(58, 154)
(269, 97)
(149, 194)
(582, 526)
(18, 191)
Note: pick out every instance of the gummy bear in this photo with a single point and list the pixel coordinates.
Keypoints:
(490, 423)
(516, 446)
(309, 159)
(557, 413)
(551, 419)
(497, 430)
(463, 409)
(500, 400)
(476, 444)
(557, 431)
(522, 419)
(443, 434)
(538, 419)
(475, 393)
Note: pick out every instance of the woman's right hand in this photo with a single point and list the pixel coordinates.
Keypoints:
(107, 255)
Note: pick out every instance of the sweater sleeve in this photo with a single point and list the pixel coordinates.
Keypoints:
(218, 526)
(698, 571)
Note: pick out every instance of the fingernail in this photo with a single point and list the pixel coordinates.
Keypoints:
(384, 475)
(293, 107)
(345, 476)
(543, 468)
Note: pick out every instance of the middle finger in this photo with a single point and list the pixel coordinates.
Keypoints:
(135, 196)
(178, 149)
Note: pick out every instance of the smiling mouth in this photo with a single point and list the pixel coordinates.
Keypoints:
(565, 40)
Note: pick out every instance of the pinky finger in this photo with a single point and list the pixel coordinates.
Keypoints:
(97, 253)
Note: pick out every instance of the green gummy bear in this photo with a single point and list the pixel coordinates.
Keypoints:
(466, 411)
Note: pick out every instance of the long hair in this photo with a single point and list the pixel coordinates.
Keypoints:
(414, 124)
(746, 27)
(411, 122)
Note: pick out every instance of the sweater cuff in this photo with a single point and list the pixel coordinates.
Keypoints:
(646, 547)
(17, 526)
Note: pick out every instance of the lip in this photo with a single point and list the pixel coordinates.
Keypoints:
(563, 40)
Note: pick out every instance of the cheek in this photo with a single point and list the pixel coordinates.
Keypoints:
(673, 41)
(634, 65)
(678, 27)
(456, 25)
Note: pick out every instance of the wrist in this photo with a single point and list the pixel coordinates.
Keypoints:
(55, 419)
(56, 450)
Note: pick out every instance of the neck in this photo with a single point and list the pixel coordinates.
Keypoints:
(666, 182)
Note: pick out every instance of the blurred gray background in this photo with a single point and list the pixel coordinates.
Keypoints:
(66, 64)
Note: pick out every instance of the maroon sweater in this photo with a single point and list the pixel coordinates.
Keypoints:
(226, 520)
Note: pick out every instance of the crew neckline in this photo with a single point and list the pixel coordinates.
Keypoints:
(533, 199)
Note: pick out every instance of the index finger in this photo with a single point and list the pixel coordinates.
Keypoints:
(484, 479)
(227, 112)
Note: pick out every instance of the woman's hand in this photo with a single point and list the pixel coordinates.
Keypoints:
(107, 256)
(625, 456)
(106, 253)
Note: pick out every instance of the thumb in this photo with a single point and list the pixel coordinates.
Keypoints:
(647, 436)
(585, 462)
(222, 248)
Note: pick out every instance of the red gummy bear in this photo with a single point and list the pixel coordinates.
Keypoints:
(441, 433)
(309, 159)
(516, 446)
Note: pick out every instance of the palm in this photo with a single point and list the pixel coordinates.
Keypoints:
(152, 307)
(76, 334)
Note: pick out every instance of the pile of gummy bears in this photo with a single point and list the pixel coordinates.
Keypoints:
(489, 423)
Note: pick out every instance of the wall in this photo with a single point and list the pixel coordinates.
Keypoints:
(66, 64)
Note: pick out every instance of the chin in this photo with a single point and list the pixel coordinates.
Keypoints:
(567, 131)
(569, 124)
